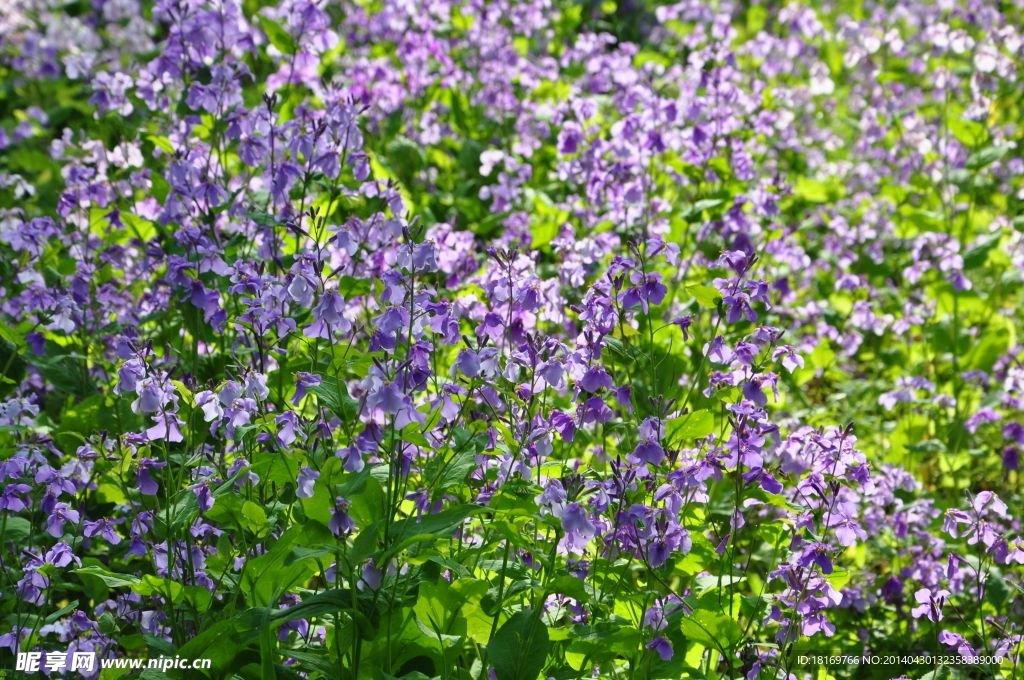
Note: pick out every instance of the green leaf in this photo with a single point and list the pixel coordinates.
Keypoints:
(256, 518)
(711, 629)
(368, 504)
(150, 585)
(64, 371)
(268, 645)
(314, 662)
(456, 471)
(200, 598)
(442, 524)
(838, 578)
(692, 426)
(999, 335)
(64, 610)
(986, 156)
(706, 583)
(223, 643)
(334, 395)
(996, 590)
(113, 673)
(940, 673)
(814, 191)
(163, 143)
(277, 36)
(977, 256)
(571, 586)
(969, 132)
(12, 361)
(519, 648)
(351, 287)
(184, 509)
(436, 634)
(262, 575)
(18, 529)
(706, 296)
(111, 579)
(264, 219)
(693, 213)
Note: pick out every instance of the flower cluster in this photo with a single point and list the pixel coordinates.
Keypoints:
(520, 337)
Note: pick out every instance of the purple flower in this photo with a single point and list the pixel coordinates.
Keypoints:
(209, 403)
(574, 519)
(61, 555)
(816, 553)
(287, 423)
(1011, 458)
(328, 317)
(648, 451)
(817, 622)
(553, 495)
(737, 307)
(957, 643)
(952, 518)
(389, 398)
(303, 381)
(168, 427)
(372, 577)
(648, 290)
(766, 480)
(983, 415)
(341, 524)
(14, 497)
(570, 137)
(930, 604)
(563, 425)
(1014, 432)
(790, 359)
(988, 501)
(144, 482)
(467, 363)
(305, 481)
(718, 351)
(596, 411)
(892, 589)
(662, 646)
(61, 513)
(104, 528)
(595, 378)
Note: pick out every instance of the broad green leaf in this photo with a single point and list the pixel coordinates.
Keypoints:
(18, 529)
(63, 611)
(712, 629)
(154, 585)
(162, 142)
(571, 586)
(968, 132)
(814, 191)
(441, 524)
(519, 648)
(256, 518)
(976, 256)
(986, 156)
(111, 579)
(351, 287)
(838, 578)
(706, 296)
(691, 426)
(334, 395)
(277, 36)
(455, 472)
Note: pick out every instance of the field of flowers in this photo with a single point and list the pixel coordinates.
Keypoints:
(512, 339)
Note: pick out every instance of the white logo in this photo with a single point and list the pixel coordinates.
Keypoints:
(31, 662)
